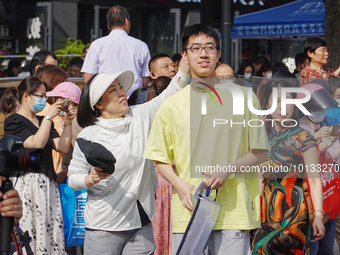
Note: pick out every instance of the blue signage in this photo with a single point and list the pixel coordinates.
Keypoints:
(304, 17)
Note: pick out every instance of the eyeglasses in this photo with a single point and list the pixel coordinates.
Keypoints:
(40, 96)
(226, 77)
(198, 49)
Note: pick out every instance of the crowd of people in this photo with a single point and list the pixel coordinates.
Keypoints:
(134, 133)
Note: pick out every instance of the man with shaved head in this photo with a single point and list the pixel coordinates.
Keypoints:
(162, 65)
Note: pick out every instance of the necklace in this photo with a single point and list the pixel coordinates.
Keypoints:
(321, 71)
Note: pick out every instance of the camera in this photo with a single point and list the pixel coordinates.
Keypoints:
(15, 160)
(64, 106)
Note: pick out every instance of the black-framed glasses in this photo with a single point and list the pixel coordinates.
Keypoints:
(40, 96)
(198, 49)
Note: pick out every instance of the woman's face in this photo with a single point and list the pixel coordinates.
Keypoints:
(336, 94)
(248, 69)
(39, 93)
(113, 103)
(277, 114)
(319, 56)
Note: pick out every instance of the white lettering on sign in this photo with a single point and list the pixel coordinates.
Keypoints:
(33, 28)
(32, 50)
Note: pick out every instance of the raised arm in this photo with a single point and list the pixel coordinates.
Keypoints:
(40, 138)
(181, 79)
(63, 143)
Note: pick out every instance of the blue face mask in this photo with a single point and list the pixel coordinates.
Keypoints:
(39, 104)
(318, 116)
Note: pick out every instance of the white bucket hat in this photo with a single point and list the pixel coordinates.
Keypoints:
(103, 80)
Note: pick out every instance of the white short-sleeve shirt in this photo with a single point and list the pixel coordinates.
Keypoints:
(118, 52)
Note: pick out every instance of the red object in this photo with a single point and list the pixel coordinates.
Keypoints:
(330, 186)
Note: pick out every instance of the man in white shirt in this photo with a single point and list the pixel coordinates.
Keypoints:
(118, 51)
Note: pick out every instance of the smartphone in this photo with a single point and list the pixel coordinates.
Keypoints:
(66, 103)
(335, 130)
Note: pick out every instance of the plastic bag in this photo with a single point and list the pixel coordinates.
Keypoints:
(73, 206)
(200, 225)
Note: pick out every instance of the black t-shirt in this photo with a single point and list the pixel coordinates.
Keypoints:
(23, 128)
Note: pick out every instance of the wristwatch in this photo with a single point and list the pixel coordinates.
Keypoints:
(48, 118)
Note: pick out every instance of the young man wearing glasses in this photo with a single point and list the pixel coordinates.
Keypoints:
(182, 133)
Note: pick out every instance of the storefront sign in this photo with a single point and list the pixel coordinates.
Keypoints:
(278, 30)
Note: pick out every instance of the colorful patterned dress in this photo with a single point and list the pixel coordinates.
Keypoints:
(284, 213)
(309, 74)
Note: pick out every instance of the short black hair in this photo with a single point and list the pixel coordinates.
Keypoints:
(196, 30)
(279, 66)
(116, 16)
(176, 57)
(264, 68)
(286, 76)
(156, 57)
(39, 59)
(14, 62)
(243, 65)
(311, 44)
(300, 58)
(76, 61)
(85, 115)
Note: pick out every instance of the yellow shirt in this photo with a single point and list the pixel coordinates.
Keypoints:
(181, 132)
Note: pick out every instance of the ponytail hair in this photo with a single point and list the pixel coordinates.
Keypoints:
(9, 101)
(13, 96)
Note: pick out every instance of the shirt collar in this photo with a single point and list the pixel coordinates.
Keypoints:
(118, 32)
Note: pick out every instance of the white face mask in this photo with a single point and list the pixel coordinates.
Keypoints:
(338, 101)
(247, 75)
(318, 116)
(269, 75)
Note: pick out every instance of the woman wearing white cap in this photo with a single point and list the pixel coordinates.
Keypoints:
(120, 205)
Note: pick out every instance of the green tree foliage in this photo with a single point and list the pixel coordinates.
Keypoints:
(72, 48)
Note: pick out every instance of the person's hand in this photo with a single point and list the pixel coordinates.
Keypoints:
(217, 180)
(11, 206)
(55, 108)
(184, 66)
(322, 132)
(215, 183)
(184, 189)
(95, 177)
(71, 113)
(318, 226)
